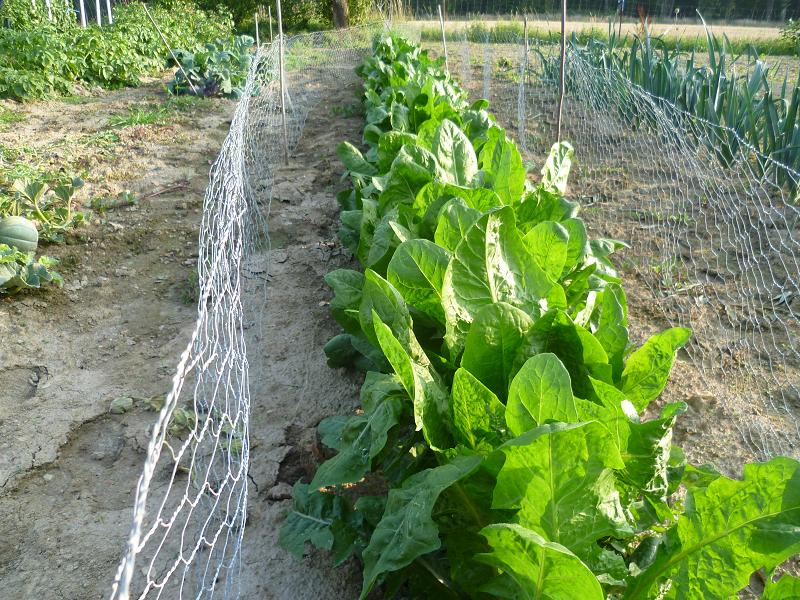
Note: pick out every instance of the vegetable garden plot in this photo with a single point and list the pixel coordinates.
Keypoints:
(187, 540)
(191, 501)
(501, 448)
(716, 247)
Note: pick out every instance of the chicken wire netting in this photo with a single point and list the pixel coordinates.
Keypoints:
(713, 246)
(191, 499)
(713, 238)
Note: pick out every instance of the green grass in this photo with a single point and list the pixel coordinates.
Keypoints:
(138, 115)
(512, 33)
(9, 117)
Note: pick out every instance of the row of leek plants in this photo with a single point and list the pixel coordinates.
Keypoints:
(731, 113)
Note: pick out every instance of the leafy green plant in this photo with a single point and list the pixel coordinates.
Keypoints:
(40, 59)
(501, 448)
(156, 115)
(9, 117)
(734, 110)
(20, 271)
(217, 68)
(51, 207)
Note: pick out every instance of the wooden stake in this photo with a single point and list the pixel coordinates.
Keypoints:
(108, 10)
(172, 54)
(282, 84)
(563, 86)
(97, 11)
(527, 48)
(82, 9)
(444, 37)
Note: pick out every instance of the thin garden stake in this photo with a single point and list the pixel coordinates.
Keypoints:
(269, 12)
(108, 11)
(563, 86)
(172, 54)
(97, 11)
(82, 8)
(49, 10)
(258, 39)
(527, 49)
(444, 37)
(282, 84)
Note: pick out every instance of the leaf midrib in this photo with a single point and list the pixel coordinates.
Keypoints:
(699, 545)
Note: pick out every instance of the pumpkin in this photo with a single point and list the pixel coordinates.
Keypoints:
(20, 233)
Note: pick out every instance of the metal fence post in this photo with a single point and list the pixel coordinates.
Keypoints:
(444, 38)
(258, 39)
(108, 10)
(82, 9)
(563, 85)
(282, 84)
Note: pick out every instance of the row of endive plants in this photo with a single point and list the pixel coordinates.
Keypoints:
(500, 449)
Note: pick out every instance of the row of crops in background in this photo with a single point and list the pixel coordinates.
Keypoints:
(736, 100)
(47, 54)
(501, 449)
(41, 58)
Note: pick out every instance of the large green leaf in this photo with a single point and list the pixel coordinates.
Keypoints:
(354, 160)
(347, 286)
(407, 530)
(491, 264)
(612, 327)
(556, 169)
(421, 381)
(378, 295)
(417, 270)
(575, 346)
(548, 243)
(560, 479)
(787, 588)
(729, 529)
(543, 205)
(455, 218)
(540, 391)
(360, 440)
(411, 169)
(502, 166)
(647, 370)
(478, 416)
(534, 568)
(578, 243)
(492, 345)
(312, 518)
(389, 145)
(454, 153)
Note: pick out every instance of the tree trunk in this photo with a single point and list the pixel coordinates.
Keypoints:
(341, 16)
(768, 8)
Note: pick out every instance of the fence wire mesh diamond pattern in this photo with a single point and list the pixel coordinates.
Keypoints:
(713, 246)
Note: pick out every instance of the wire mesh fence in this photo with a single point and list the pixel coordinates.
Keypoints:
(713, 238)
(713, 246)
(191, 499)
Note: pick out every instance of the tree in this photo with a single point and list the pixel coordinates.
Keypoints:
(341, 16)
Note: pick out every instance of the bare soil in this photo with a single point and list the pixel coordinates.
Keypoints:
(67, 465)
